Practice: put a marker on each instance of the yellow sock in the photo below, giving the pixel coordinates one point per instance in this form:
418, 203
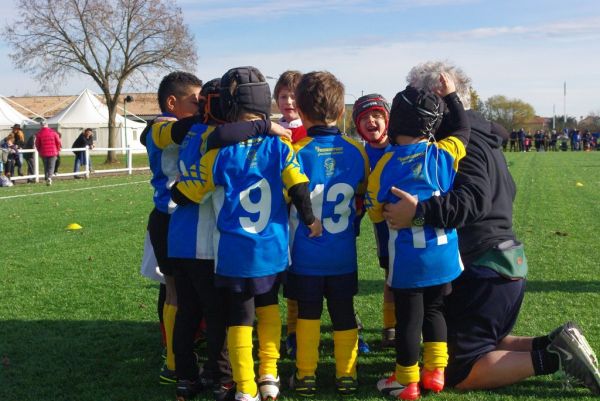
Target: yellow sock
308, 334
345, 351
407, 374
239, 343
169, 312
292, 316
389, 315
435, 355
269, 337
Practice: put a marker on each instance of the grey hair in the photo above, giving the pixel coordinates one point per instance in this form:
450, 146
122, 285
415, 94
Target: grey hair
427, 76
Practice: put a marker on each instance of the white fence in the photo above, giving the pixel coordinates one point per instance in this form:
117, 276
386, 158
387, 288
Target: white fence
84, 170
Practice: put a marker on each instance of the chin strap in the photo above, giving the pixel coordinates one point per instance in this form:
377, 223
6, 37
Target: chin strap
378, 141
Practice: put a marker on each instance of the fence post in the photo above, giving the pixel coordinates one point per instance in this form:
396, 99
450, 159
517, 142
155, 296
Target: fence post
87, 162
129, 161
36, 165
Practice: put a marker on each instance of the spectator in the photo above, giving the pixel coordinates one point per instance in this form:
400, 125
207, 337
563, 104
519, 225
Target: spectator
48, 144
84, 140
12, 155
553, 141
57, 164
521, 139
513, 141
485, 300
29, 157
20, 142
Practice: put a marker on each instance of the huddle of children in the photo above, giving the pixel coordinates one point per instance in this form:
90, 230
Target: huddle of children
241, 210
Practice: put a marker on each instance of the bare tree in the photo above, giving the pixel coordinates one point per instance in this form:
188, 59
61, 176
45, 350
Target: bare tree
112, 41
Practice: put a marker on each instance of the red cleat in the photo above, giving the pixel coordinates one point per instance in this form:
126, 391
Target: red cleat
410, 392
433, 379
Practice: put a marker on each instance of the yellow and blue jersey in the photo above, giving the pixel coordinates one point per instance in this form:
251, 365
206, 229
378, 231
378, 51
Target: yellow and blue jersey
162, 157
191, 226
246, 183
375, 154
419, 256
337, 168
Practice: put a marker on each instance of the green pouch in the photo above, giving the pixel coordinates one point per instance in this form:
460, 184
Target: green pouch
507, 259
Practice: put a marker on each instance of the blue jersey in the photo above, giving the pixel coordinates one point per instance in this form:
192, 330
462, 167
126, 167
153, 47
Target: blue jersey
337, 168
247, 182
375, 154
162, 156
381, 230
191, 226
419, 256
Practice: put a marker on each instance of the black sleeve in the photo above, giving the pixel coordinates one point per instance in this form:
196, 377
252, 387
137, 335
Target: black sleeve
499, 130
469, 200
145, 133
178, 197
182, 127
232, 133
300, 195
456, 122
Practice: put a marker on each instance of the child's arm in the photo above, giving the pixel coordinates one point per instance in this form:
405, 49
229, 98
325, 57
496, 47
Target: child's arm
232, 133
198, 182
296, 183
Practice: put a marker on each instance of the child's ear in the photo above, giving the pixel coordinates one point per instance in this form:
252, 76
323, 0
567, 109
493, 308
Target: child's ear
170, 103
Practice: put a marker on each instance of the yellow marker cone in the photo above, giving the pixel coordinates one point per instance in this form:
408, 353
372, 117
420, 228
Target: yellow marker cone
74, 226
579, 184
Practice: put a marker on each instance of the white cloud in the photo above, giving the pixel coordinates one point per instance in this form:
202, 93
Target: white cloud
531, 70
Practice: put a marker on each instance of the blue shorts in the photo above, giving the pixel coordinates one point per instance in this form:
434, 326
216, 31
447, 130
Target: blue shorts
481, 310
306, 288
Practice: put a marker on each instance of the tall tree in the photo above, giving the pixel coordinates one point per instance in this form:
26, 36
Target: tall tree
113, 41
507, 112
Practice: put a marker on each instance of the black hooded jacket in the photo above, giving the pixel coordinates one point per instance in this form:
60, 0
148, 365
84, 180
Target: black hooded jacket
480, 204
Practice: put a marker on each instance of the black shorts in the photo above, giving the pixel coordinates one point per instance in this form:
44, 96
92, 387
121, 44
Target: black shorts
158, 228
481, 310
314, 288
250, 285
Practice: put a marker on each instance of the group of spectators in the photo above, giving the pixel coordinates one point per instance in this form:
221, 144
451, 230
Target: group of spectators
551, 141
48, 143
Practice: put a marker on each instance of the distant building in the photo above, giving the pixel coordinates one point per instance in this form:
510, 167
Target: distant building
144, 105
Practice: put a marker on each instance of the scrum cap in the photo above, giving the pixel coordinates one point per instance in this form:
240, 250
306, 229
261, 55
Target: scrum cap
363, 105
415, 113
250, 92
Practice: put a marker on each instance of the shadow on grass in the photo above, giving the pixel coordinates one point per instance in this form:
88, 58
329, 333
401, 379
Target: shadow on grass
574, 286
112, 360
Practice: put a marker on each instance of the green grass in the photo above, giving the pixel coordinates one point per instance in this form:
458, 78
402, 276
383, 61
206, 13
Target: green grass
78, 322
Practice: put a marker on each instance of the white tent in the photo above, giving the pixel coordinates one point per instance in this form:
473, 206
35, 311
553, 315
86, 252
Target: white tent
9, 117
86, 111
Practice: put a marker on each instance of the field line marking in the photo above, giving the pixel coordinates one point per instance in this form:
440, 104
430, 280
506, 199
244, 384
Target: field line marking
73, 190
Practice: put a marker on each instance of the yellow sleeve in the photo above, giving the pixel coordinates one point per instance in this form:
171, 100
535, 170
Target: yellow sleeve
455, 147
161, 133
199, 182
205, 135
373, 206
292, 172
362, 186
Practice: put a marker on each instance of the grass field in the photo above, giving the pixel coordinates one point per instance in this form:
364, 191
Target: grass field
78, 322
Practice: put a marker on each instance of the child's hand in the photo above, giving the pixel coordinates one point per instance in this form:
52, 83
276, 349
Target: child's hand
316, 229
278, 130
447, 85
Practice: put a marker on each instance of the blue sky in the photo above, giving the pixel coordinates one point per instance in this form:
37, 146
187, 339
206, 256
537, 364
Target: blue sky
520, 49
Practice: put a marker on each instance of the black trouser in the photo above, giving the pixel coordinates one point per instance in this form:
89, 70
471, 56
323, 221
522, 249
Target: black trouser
341, 311
29, 165
197, 297
418, 310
